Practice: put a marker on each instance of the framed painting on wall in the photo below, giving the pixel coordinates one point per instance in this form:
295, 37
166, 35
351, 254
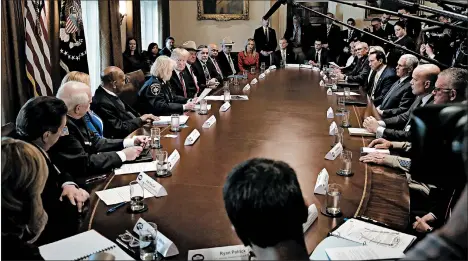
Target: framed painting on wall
388, 5
223, 10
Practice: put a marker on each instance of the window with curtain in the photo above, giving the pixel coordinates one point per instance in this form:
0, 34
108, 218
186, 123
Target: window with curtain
90, 13
149, 23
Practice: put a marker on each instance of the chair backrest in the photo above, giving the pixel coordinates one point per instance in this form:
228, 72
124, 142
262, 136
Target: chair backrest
8, 129
130, 92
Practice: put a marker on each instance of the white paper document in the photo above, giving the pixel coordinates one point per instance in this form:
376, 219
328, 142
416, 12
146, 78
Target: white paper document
360, 132
307, 66
215, 98
136, 168
239, 252
330, 114
372, 235
197, 107
165, 246
164, 120
367, 150
82, 246
118, 195
322, 183
350, 93
334, 152
363, 253
313, 214
292, 65
204, 93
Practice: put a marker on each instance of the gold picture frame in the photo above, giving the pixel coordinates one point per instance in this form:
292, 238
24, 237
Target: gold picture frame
223, 10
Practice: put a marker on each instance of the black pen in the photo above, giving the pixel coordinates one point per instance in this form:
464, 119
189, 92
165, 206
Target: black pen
125, 245
113, 209
96, 178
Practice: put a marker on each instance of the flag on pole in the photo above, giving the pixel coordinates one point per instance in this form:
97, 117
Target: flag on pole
38, 68
73, 55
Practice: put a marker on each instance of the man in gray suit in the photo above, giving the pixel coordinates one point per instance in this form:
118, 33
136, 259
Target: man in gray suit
400, 96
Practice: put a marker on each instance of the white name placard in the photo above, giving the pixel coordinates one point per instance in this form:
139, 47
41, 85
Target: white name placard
322, 183
291, 65
333, 129
190, 140
151, 185
334, 152
267, 71
239, 252
329, 92
313, 214
246, 88
322, 83
254, 81
208, 123
330, 114
225, 107
306, 66
165, 246
173, 158
261, 76
273, 67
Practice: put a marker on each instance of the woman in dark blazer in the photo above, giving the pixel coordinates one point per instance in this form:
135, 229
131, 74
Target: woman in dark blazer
402, 39
132, 59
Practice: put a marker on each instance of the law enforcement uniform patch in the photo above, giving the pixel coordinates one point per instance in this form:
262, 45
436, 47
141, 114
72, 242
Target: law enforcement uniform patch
155, 88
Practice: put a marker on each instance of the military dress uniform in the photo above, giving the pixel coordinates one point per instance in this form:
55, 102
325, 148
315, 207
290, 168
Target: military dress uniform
157, 97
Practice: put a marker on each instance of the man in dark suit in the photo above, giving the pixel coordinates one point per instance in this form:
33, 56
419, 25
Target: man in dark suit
413, 27
41, 122
118, 118
284, 53
361, 71
350, 35
182, 81
81, 153
387, 27
400, 96
331, 38
265, 42
299, 38
205, 71
381, 78
227, 61
397, 128
167, 50
377, 30
214, 52
318, 55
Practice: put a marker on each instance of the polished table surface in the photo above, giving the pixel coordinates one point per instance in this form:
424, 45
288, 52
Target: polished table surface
284, 119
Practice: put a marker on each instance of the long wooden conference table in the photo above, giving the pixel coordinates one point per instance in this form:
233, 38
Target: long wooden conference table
284, 119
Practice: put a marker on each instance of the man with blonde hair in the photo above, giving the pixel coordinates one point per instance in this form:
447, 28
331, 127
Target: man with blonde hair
80, 153
182, 82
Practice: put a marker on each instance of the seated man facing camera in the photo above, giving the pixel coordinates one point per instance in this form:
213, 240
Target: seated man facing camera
264, 202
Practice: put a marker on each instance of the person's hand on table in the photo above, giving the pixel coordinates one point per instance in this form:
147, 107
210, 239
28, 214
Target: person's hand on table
148, 118
341, 76
379, 111
213, 83
371, 124
141, 141
189, 106
381, 143
421, 225
377, 158
132, 153
76, 196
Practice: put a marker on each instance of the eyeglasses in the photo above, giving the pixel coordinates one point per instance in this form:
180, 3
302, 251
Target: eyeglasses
64, 131
127, 79
442, 89
358, 49
130, 239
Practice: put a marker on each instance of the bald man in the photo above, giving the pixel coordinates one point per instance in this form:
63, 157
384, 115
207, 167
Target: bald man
397, 128
119, 118
213, 53
80, 153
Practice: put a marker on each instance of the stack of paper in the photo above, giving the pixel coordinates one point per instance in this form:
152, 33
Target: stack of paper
363, 253
164, 120
118, 195
360, 132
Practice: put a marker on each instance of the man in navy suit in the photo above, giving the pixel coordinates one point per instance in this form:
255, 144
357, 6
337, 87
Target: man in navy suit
381, 78
399, 98
265, 42
318, 56
284, 53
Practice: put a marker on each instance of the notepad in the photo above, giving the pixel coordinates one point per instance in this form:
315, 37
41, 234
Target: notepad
118, 195
360, 132
163, 120
363, 253
82, 246
350, 93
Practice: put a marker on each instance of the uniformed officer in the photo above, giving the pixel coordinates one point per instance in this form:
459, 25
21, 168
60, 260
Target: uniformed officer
157, 97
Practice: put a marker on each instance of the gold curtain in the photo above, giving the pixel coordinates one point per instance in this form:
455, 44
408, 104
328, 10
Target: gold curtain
109, 26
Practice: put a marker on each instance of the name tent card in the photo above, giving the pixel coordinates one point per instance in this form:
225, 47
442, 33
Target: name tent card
267, 71
225, 107
151, 185
273, 67
329, 91
334, 152
313, 214
190, 140
165, 246
246, 88
322, 183
211, 120
322, 83
316, 69
306, 66
333, 129
261, 76
325, 78
173, 158
291, 65
330, 114
254, 81
239, 252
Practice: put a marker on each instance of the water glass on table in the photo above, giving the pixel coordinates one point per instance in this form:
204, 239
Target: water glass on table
345, 119
262, 67
149, 243
203, 107
226, 95
162, 165
347, 93
244, 74
175, 123
346, 159
136, 196
338, 137
333, 199
252, 70
155, 138
340, 101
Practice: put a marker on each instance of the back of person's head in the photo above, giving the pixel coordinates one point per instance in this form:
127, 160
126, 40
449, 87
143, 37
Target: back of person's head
429, 73
40, 115
261, 194
74, 93
24, 174
77, 77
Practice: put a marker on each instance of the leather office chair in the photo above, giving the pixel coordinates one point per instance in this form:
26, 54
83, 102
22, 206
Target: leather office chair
8, 129
130, 91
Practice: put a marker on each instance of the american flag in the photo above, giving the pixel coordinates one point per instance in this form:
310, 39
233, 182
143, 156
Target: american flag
38, 69
71, 27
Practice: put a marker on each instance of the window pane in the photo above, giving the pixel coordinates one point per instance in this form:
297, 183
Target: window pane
149, 23
90, 12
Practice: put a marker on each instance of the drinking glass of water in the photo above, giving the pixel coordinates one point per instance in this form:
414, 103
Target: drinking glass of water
203, 107
333, 199
346, 157
149, 243
282, 63
175, 123
155, 138
136, 196
338, 137
252, 69
347, 92
244, 74
262, 67
340, 101
226, 84
227, 95
345, 119
162, 166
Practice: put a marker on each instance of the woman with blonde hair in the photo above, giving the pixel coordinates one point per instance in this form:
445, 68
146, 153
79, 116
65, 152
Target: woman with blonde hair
24, 175
156, 96
249, 57
93, 121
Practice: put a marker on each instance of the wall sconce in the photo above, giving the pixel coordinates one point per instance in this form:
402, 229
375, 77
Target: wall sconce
122, 10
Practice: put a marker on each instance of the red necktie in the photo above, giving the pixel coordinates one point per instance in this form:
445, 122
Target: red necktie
193, 76
183, 84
